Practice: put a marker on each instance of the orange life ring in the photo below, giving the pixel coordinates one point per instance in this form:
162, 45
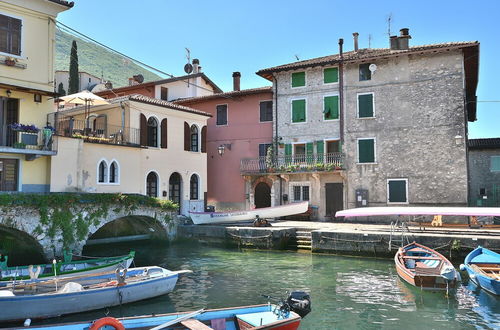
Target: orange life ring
107, 321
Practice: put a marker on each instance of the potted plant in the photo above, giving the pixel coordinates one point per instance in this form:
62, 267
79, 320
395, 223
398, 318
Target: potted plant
10, 61
19, 145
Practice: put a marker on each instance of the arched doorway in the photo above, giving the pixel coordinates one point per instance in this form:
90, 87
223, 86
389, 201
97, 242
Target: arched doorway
152, 185
174, 189
262, 195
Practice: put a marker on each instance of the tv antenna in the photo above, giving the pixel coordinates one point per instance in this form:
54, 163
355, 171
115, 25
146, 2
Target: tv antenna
369, 41
188, 68
389, 20
297, 57
188, 54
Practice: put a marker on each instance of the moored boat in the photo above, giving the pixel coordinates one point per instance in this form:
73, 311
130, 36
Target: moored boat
425, 268
200, 218
76, 294
64, 269
483, 267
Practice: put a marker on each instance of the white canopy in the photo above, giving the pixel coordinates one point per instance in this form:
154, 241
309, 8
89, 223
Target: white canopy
84, 97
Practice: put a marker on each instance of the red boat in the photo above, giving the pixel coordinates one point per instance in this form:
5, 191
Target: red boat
425, 268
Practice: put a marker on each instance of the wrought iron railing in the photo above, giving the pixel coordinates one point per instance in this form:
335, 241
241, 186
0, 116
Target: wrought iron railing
32, 140
294, 163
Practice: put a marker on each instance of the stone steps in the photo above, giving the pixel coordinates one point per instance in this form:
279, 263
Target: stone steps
304, 239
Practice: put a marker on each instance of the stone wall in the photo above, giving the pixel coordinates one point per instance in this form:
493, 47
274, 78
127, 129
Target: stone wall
481, 176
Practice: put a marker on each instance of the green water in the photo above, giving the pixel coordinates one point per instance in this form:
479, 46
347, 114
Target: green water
347, 292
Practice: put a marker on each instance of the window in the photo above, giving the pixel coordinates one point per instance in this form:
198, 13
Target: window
298, 111
330, 75
299, 192
102, 172
364, 72
266, 111
194, 138
263, 148
365, 105
366, 150
495, 164
332, 146
222, 114
152, 185
397, 191
298, 79
114, 173
331, 107
193, 190
152, 132
10, 35
164, 93
299, 149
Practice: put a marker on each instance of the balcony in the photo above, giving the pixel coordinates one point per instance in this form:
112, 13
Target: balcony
33, 143
96, 132
293, 163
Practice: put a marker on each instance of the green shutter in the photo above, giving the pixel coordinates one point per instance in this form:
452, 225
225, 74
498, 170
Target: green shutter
298, 79
288, 149
365, 103
366, 151
309, 152
298, 111
495, 163
397, 191
331, 107
320, 150
330, 75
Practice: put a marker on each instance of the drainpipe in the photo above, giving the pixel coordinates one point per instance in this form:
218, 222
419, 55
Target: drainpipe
276, 142
341, 92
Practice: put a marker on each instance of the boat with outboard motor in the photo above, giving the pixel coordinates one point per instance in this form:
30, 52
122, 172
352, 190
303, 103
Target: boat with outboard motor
483, 267
285, 314
201, 218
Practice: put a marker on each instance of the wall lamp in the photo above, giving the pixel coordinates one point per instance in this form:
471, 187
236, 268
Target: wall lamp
222, 148
8, 92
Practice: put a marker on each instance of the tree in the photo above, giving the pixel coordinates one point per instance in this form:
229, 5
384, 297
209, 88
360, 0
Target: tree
60, 89
73, 70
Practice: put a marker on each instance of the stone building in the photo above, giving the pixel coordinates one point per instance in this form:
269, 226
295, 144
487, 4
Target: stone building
484, 169
375, 127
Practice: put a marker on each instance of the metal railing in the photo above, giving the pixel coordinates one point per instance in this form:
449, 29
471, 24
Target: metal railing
41, 140
95, 132
294, 163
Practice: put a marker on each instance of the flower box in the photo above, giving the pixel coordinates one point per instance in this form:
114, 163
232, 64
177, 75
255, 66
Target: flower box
28, 138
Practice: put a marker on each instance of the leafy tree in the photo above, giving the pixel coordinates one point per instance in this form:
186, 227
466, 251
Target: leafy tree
60, 89
73, 70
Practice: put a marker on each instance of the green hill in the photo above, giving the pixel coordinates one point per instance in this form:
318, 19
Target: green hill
98, 61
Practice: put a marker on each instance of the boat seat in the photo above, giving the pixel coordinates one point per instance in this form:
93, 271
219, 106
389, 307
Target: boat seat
194, 324
423, 258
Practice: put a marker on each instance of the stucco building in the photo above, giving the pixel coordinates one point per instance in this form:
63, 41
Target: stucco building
484, 167
240, 128
86, 81
27, 30
375, 127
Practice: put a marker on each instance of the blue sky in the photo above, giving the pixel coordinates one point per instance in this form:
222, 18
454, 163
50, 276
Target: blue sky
247, 36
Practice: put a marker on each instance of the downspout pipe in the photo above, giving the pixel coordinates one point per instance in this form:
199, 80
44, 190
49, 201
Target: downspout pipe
341, 92
276, 136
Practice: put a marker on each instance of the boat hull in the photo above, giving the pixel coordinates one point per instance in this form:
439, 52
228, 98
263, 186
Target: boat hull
483, 257
50, 305
200, 218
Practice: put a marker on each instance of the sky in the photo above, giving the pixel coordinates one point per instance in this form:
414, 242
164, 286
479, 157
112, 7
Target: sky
246, 36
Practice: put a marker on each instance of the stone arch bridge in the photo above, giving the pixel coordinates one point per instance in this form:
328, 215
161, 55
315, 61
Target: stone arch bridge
72, 227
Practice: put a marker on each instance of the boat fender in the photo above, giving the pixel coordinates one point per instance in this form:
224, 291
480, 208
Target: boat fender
107, 321
462, 267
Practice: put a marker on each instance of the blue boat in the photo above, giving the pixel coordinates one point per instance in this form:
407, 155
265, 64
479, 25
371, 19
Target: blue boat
483, 266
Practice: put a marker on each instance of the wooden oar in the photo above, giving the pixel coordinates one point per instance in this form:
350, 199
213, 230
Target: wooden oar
179, 319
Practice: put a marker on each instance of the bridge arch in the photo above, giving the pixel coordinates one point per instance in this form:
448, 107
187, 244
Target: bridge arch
20, 247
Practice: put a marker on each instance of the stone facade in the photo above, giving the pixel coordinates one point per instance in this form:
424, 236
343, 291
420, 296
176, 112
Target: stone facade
484, 188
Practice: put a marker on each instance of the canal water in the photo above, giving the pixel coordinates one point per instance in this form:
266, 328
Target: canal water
347, 292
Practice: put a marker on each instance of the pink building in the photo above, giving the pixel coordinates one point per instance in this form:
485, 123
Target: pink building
241, 127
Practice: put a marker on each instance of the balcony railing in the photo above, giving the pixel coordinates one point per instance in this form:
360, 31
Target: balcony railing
294, 163
96, 132
28, 142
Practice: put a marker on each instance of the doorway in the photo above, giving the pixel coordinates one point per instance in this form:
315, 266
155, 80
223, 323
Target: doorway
8, 174
9, 114
334, 198
174, 189
262, 195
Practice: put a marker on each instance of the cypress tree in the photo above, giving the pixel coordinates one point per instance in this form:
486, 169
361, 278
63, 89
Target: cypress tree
60, 89
73, 70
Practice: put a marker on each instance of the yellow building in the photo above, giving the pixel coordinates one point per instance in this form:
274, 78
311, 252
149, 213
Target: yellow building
27, 45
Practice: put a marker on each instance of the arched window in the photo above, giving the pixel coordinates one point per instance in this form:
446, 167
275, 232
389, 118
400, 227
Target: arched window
152, 132
193, 187
194, 138
102, 175
114, 173
152, 185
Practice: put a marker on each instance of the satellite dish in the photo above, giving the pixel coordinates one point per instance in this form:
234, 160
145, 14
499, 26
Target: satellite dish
372, 67
139, 78
188, 68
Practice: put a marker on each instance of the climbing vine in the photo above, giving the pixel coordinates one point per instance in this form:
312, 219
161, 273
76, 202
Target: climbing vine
57, 211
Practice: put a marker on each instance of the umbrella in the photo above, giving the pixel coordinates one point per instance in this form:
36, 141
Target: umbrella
84, 97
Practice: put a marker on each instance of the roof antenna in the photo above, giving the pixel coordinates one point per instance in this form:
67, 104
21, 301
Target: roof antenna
297, 57
389, 20
369, 41
188, 54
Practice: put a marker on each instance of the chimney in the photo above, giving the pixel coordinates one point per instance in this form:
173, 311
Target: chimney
132, 82
394, 42
236, 81
403, 39
355, 36
196, 65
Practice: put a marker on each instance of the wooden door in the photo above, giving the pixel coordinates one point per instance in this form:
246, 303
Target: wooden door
262, 195
334, 198
8, 174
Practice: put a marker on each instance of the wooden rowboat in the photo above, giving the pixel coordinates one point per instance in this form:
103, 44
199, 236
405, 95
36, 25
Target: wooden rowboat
200, 218
483, 267
63, 269
425, 268
84, 293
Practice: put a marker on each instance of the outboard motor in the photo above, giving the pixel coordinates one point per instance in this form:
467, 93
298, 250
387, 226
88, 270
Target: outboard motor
299, 302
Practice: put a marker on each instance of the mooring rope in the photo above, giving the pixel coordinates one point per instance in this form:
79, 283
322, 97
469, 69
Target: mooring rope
252, 237
351, 241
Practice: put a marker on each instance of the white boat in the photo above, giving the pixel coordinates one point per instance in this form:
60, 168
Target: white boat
201, 218
84, 293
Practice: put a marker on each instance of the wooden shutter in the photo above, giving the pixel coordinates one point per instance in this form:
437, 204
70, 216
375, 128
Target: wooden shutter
298, 111
366, 151
298, 79
187, 144
320, 150
397, 191
365, 103
143, 131
164, 133
330, 75
204, 139
309, 151
331, 107
288, 149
